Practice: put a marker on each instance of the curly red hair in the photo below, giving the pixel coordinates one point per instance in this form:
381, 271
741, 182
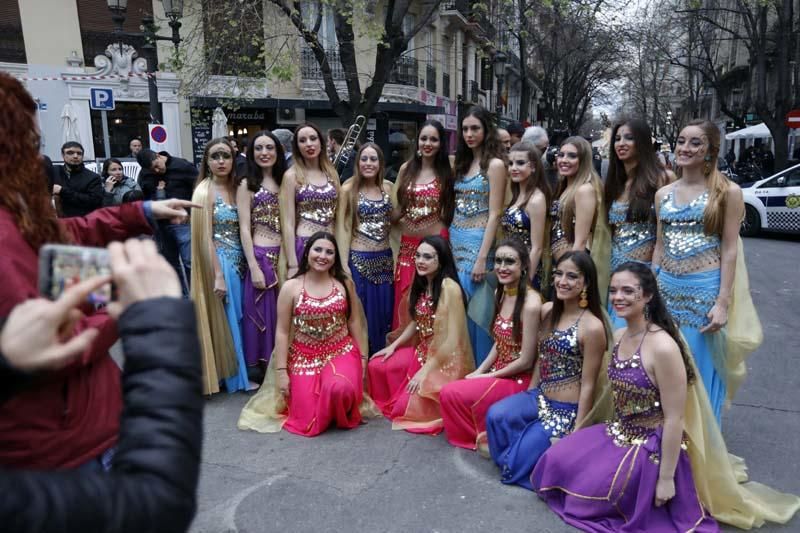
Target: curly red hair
23, 185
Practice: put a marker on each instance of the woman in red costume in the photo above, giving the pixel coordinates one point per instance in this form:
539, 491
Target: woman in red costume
430, 349
316, 374
66, 417
424, 201
506, 370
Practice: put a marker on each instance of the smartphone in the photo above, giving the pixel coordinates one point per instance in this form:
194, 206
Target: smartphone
62, 266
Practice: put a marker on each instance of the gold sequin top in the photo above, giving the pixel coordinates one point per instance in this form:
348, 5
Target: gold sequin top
637, 402
225, 227
472, 201
320, 332
316, 204
424, 318
560, 359
374, 220
686, 246
266, 215
508, 350
422, 210
558, 239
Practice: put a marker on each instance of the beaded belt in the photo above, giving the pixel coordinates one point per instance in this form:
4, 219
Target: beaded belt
556, 422
377, 269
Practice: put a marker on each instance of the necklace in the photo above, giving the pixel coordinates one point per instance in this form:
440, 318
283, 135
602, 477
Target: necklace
510, 291
632, 335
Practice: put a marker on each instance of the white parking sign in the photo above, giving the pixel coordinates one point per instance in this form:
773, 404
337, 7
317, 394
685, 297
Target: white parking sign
101, 99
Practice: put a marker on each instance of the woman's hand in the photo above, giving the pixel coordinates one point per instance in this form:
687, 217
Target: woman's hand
665, 491
386, 353
219, 286
479, 270
717, 318
415, 383
476, 374
257, 277
176, 211
282, 381
111, 181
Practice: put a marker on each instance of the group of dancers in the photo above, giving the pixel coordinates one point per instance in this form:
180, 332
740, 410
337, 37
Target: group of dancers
469, 298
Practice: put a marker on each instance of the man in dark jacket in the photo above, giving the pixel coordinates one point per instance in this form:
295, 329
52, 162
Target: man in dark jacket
78, 190
163, 174
152, 483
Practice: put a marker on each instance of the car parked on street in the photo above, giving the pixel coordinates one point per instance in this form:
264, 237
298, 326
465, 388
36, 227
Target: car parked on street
772, 203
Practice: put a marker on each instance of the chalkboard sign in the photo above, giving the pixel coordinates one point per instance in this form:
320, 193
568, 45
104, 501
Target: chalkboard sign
201, 134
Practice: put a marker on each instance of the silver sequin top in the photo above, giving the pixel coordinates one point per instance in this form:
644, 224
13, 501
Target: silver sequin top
686, 246
472, 200
630, 241
374, 220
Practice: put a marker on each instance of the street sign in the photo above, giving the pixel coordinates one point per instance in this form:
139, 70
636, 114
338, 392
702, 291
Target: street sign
793, 118
101, 99
158, 137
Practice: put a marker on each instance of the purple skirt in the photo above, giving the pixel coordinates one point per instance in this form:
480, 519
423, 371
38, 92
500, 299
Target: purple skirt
595, 485
260, 307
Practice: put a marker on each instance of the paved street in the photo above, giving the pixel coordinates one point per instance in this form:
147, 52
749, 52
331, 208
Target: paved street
375, 479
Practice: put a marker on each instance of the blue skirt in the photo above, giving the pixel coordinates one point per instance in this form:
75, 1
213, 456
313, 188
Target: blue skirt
689, 298
465, 244
372, 275
233, 311
518, 433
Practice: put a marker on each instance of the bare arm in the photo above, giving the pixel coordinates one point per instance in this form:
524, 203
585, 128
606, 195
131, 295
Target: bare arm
658, 251
288, 189
402, 339
483, 369
593, 342
397, 214
284, 307
585, 207
497, 191
535, 377
344, 225
537, 212
734, 211
244, 202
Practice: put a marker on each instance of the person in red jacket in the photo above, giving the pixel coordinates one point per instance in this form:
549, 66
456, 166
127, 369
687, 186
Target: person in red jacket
68, 417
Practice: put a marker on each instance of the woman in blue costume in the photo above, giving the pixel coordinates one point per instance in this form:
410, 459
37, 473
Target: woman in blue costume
525, 218
571, 348
634, 176
699, 258
362, 230
219, 270
480, 189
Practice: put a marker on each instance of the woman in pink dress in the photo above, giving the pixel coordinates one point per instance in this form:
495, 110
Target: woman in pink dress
430, 349
506, 370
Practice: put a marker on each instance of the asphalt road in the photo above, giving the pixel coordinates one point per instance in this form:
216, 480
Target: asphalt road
375, 479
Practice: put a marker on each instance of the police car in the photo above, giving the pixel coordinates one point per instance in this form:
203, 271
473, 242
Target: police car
773, 203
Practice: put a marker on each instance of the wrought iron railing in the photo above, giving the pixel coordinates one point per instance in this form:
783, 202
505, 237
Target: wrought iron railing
311, 69
404, 71
430, 78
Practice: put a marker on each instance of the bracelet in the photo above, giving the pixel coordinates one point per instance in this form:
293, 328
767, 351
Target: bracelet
364, 357
280, 368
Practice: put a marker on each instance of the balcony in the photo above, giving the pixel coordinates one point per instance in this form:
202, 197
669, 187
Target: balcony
404, 71
461, 7
430, 78
12, 45
446, 85
311, 70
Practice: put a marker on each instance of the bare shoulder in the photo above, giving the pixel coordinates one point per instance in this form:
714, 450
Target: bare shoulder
663, 191
619, 333
734, 192
586, 189
546, 308
289, 177
662, 345
537, 200
497, 165
347, 187
291, 287
387, 186
533, 302
592, 326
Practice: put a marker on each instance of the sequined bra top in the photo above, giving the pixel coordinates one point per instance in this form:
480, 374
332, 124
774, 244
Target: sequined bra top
266, 215
374, 220
686, 247
320, 331
630, 241
517, 224
560, 359
637, 403
508, 350
558, 239
226, 234
424, 318
422, 210
472, 201
316, 204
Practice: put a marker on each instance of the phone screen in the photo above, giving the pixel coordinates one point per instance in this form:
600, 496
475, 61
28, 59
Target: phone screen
62, 266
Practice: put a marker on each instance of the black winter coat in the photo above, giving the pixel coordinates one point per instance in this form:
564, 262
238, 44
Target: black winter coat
152, 484
81, 191
180, 178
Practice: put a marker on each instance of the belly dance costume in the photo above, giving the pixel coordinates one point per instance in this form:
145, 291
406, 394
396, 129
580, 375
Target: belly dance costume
228, 246
260, 305
690, 288
372, 271
630, 241
466, 401
324, 366
519, 428
558, 239
315, 205
603, 478
516, 224
466, 236
422, 212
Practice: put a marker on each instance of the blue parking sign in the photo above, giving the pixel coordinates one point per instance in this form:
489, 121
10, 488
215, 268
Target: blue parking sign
101, 99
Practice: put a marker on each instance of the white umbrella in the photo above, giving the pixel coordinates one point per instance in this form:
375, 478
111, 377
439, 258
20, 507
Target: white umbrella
69, 125
219, 124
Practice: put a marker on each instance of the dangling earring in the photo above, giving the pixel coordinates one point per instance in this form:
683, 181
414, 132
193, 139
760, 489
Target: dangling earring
419, 154
583, 303
647, 312
707, 165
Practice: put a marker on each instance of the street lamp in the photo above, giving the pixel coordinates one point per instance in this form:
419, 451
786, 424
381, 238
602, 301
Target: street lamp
499, 71
174, 11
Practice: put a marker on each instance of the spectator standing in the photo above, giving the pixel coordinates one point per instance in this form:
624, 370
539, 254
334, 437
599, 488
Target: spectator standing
335, 141
285, 137
537, 136
79, 191
516, 130
505, 140
135, 146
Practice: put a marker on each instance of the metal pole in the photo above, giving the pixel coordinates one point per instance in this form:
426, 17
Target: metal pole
106, 143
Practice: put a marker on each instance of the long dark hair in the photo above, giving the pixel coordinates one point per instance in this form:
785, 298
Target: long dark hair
522, 287
205, 169
649, 174
336, 271
657, 309
447, 269
352, 203
444, 173
254, 176
491, 145
107, 164
537, 179
585, 265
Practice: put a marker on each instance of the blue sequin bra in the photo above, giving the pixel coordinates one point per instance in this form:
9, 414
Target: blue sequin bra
472, 202
226, 234
630, 241
374, 220
686, 246
517, 224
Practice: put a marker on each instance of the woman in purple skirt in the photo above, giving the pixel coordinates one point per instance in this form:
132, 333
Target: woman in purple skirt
632, 473
260, 230
309, 193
